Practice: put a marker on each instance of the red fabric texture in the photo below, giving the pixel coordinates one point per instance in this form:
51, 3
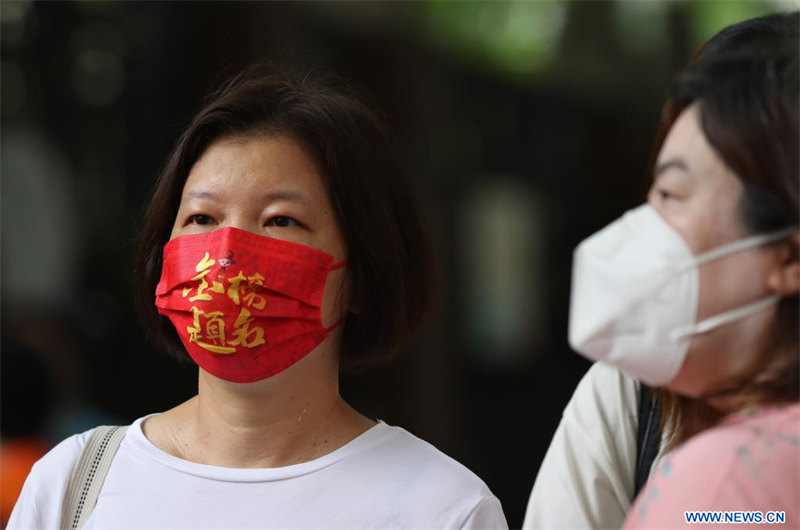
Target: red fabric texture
246, 306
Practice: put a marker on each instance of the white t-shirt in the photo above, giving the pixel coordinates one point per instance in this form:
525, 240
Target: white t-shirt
587, 477
385, 478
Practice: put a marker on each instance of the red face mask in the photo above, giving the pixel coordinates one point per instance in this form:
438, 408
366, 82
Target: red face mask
245, 306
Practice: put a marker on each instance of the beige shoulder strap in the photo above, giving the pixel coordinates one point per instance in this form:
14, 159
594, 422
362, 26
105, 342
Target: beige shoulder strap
89, 474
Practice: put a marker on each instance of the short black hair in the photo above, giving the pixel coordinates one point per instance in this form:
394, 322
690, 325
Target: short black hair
389, 264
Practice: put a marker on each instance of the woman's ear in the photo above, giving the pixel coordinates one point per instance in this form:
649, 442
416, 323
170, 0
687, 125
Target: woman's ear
346, 294
785, 279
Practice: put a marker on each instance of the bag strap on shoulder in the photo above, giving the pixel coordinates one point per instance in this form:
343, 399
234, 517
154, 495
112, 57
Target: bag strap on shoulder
648, 439
89, 474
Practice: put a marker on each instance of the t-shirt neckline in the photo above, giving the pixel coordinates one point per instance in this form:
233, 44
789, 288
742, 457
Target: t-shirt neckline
138, 442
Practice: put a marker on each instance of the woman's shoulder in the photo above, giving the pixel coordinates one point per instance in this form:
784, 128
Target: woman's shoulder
740, 464
754, 442
413, 457
39, 503
428, 480
604, 408
766, 432
587, 476
604, 386
61, 459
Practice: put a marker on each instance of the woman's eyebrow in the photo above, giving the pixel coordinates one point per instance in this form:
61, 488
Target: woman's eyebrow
672, 163
205, 195
286, 195
272, 196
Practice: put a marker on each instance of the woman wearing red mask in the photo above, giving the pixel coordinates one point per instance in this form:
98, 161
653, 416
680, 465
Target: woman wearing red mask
281, 242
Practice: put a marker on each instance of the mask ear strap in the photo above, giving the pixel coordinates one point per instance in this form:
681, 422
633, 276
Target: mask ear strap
743, 244
339, 265
724, 318
336, 325
333, 268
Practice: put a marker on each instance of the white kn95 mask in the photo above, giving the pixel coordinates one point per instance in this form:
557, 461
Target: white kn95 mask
635, 289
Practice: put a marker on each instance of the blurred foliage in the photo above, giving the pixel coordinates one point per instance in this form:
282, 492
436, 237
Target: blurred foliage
517, 37
520, 38
710, 16
641, 27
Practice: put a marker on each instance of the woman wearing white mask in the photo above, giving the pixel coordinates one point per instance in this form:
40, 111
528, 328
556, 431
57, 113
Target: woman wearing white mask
696, 291
641, 296
711, 309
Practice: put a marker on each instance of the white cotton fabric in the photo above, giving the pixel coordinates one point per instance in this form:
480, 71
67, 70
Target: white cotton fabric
587, 477
384, 478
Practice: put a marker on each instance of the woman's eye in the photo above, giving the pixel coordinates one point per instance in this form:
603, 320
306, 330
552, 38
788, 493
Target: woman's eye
664, 194
201, 219
282, 221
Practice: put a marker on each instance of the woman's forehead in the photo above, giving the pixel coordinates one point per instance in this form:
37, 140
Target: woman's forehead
268, 167
688, 149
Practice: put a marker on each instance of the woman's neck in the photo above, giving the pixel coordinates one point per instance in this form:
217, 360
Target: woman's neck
293, 417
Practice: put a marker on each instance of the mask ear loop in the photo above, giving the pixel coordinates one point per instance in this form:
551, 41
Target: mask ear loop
336, 325
727, 317
743, 244
341, 320
738, 313
339, 265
